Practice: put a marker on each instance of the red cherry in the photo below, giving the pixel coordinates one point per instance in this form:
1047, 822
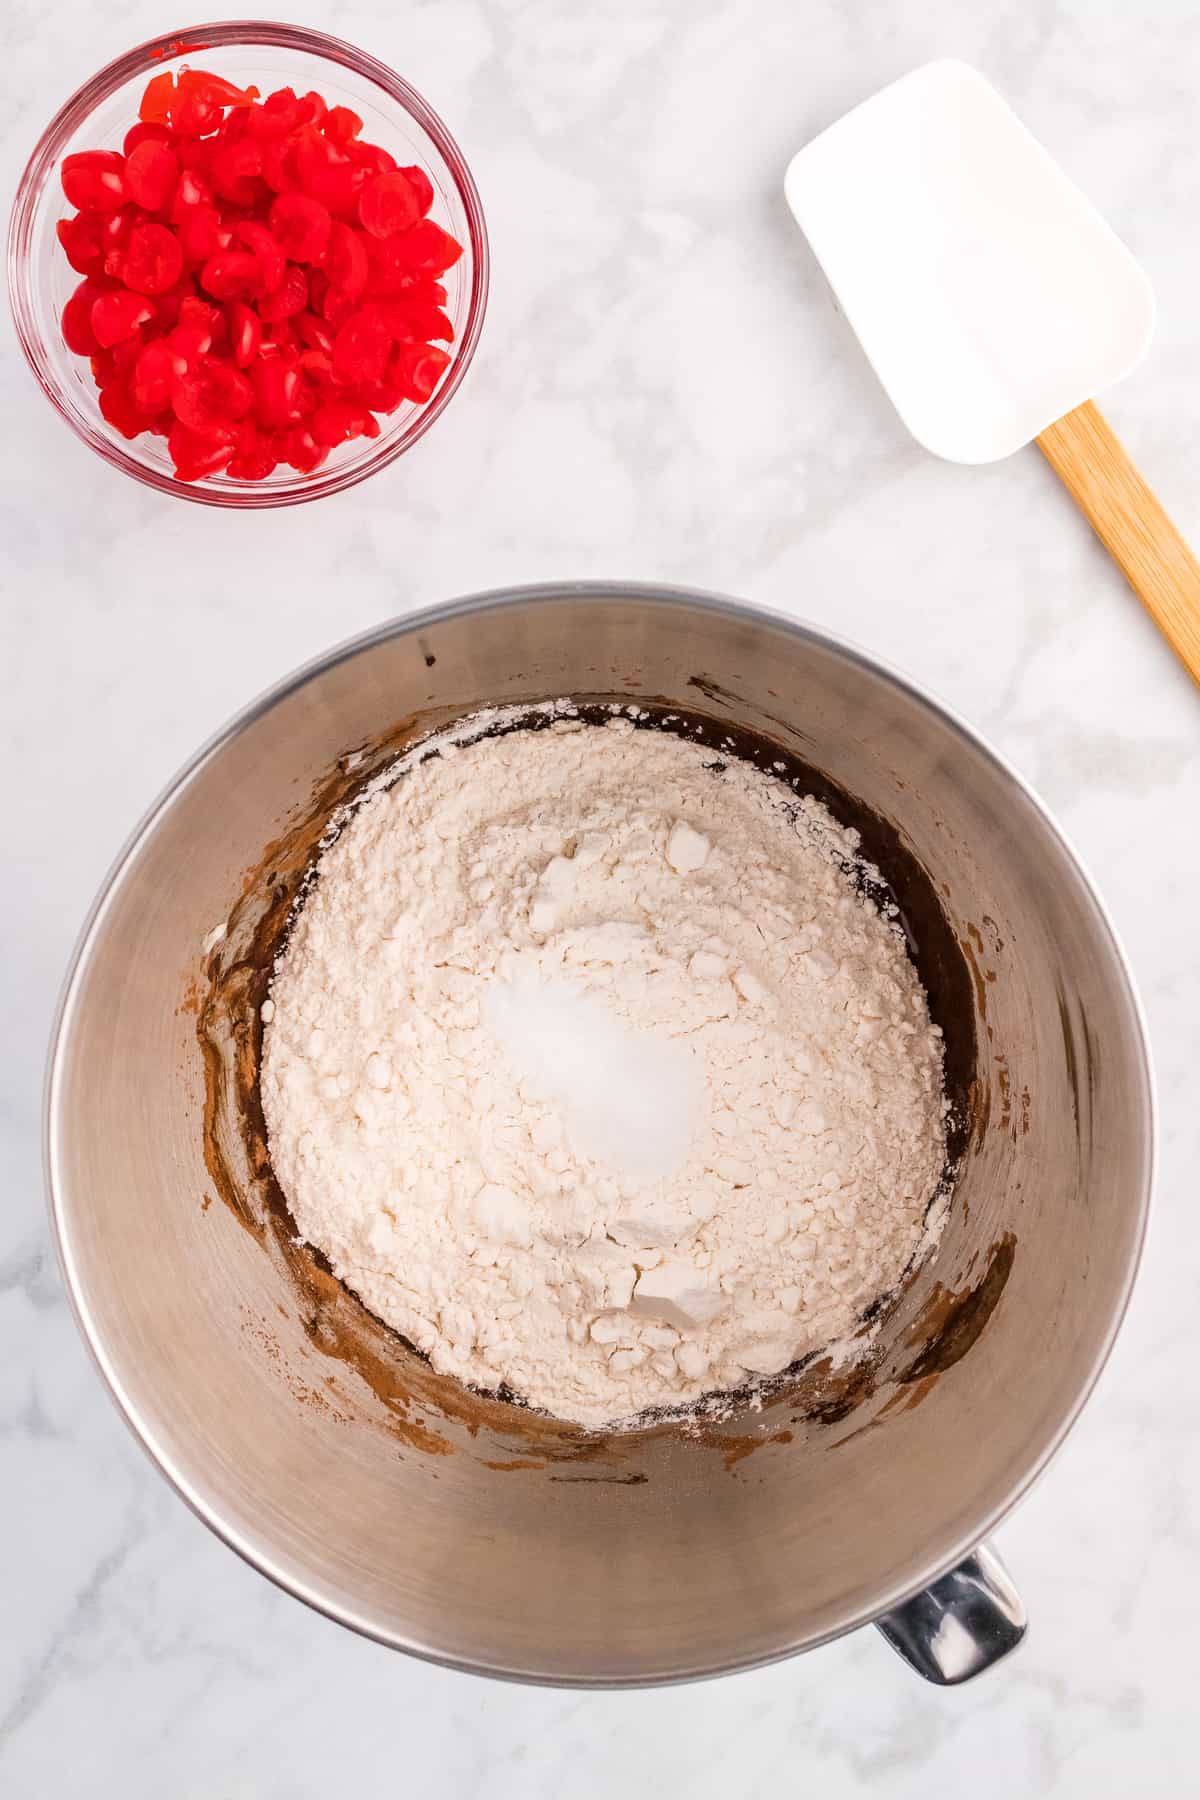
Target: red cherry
152, 260
230, 275
167, 305
195, 457
301, 225
276, 393
412, 318
196, 154
382, 396
326, 172
336, 421
303, 451
94, 180
421, 367
392, 270
314, 332
346, 262
201, 234
341, 124
372, 159
290, 297
118, 315
192, 115
279, 169
142, 133
200, 100
245, 333
77, 331
194, 190
282, 214
279, 347
360, 349
278, 115
235, 168
117, 406
257, 455
337, 306
210, 396
154, 375
208, 86
115, 228
151, 171
263, 244
81, 241
422, 187
125, 353
198, 313
387, 204
317, 365
231, 131
427, 249
156, 101
189, 344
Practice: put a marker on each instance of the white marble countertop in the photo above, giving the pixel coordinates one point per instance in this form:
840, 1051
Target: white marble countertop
663, 390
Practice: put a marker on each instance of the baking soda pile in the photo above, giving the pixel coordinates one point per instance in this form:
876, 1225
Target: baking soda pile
593, 1072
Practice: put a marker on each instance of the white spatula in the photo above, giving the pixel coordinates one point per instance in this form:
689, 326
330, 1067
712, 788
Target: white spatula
993, 302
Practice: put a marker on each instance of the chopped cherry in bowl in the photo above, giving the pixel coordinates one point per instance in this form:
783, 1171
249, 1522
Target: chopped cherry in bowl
259, 283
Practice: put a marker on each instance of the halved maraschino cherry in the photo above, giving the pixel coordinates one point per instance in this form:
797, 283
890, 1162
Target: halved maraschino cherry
346, 262
151, 172
360, 349
152, 261
339, 420
291, 296
257, 455
77, 319
119, 314
211, 396
422, 186
155, 373
301, 225
80, 238
388, 204
245, 333
118, 406
259, 282
278, 393
267, 250
196, 456
235, 169
230, 274
94, 180
421, 367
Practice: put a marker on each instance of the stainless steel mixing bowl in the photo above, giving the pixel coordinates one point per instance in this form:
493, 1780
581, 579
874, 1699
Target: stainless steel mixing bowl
475, 1533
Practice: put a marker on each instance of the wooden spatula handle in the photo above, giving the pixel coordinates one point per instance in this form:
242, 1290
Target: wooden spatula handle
1088, 457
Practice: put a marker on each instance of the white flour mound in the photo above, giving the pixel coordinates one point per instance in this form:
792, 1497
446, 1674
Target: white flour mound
591, 1070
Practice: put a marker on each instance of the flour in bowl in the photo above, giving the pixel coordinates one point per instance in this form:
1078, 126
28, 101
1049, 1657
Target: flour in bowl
593, 1070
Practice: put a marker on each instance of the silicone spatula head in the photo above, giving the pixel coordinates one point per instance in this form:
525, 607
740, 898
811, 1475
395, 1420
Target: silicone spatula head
988, 293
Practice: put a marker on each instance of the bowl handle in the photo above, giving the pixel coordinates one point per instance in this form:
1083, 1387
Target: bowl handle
961, 1624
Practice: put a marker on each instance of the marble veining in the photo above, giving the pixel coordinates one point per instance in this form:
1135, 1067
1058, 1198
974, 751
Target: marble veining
665, 390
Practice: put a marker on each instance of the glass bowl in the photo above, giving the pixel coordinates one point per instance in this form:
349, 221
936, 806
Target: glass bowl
271, 56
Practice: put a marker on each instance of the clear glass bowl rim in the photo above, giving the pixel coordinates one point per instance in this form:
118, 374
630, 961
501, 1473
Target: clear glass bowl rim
144, 60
